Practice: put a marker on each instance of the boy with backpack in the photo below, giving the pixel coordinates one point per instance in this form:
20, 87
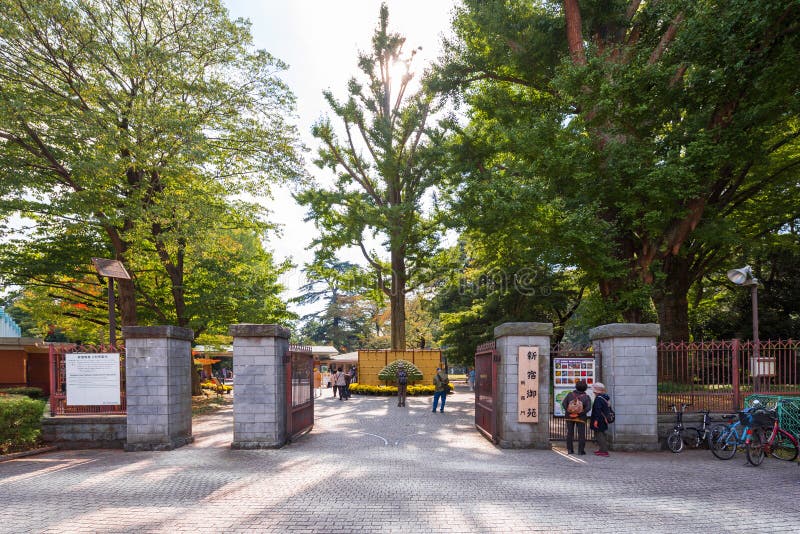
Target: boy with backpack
577, 405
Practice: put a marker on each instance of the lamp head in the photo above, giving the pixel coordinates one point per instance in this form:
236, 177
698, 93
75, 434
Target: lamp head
743, 276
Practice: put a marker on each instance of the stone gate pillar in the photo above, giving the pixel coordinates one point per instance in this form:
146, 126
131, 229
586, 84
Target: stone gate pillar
158, 387
630, 373
259, 374
509, 337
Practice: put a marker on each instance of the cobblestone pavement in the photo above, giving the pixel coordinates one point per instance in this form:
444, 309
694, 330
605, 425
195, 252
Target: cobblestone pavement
369, 466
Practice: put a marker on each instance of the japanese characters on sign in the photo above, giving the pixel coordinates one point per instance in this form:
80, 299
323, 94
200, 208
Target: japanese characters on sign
93, 379
528, 387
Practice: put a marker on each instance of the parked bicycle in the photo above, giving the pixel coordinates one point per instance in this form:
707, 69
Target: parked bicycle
734, 435
689, 435
767, 437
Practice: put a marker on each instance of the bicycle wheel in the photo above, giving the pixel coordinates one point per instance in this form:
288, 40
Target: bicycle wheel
713, 433
784, 447
725, 446
675, 441
692, 437
755, 449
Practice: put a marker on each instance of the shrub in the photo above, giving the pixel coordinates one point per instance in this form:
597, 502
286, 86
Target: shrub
389, 373
20, 423
34, 393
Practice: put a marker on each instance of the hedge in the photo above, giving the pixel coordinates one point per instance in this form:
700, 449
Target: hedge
34, 393
20, 422
363, 389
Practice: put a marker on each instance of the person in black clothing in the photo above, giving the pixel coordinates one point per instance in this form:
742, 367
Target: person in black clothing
576, 416
402, 384
599, 420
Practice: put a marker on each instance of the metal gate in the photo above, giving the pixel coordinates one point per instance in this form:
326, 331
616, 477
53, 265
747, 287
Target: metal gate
558, 424
486, 358
299, 391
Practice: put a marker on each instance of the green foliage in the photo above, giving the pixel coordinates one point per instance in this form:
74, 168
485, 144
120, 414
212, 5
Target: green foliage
389, 373
32, 392
20, 423
631, 149
127, 132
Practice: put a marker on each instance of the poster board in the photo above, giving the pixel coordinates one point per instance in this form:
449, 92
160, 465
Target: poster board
566, 372
93, 379
528, 384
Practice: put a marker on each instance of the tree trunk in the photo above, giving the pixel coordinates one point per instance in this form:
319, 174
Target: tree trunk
127, 302
671, 299
397, 299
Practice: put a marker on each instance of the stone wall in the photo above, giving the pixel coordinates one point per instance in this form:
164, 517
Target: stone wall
87, 432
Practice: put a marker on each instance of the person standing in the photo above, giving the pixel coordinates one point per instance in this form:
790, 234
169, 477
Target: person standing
577, 405
340, 380
402, 384
471, 379
601, 412
441, 387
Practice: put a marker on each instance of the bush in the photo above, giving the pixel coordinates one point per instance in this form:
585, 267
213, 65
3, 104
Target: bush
20, 423
218, 388
34, 393
389, 373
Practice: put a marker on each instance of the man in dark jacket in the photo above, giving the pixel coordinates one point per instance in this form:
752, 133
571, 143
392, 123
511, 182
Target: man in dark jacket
577, 405
600, 417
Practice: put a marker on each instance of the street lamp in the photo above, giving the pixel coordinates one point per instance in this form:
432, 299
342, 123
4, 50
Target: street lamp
111, 269
745, 277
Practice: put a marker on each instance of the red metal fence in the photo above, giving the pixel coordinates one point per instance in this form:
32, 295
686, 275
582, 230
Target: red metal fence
58, 380
718, 375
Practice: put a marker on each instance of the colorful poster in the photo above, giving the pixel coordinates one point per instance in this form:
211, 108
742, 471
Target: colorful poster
566, 373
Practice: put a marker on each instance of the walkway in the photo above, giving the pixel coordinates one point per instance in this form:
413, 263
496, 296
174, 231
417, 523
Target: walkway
369, 466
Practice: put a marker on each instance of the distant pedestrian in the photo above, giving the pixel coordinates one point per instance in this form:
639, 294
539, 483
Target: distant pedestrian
441, 387
347, 379
601, 416
340, 382
353, 375
577, 404
471, 379
402, 384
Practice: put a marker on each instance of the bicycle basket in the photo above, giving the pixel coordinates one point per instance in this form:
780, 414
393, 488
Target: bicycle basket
756, 418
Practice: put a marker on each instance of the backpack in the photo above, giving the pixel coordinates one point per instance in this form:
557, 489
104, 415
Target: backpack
575, 406
610, 416
402, 377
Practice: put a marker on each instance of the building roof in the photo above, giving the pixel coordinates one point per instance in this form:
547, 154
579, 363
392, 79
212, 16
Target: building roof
347, 357
324, 350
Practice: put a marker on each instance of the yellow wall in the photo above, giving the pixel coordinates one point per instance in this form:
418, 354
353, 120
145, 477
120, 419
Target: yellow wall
370, 363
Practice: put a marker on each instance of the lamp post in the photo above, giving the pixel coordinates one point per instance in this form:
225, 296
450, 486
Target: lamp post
745, 277
111, 269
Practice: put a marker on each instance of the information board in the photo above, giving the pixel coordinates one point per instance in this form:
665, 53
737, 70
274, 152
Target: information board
566, 373
92, 379
528, 389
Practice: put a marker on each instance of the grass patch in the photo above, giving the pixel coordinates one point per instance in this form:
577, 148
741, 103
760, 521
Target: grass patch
203, 404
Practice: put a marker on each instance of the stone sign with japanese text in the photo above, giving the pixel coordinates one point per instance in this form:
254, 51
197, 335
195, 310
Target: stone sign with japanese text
528, 385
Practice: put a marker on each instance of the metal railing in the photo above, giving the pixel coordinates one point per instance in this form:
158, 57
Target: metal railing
718, 375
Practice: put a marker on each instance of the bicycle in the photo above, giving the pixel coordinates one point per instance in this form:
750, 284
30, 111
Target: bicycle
734, 435
692, 436
779, 444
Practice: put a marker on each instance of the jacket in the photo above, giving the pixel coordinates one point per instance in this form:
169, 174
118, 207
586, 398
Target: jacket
600, 411
441, 382
585, 399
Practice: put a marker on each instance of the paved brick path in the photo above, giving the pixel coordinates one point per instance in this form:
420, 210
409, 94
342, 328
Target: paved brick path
369, 466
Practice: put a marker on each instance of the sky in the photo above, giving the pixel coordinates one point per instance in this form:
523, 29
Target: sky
320, 40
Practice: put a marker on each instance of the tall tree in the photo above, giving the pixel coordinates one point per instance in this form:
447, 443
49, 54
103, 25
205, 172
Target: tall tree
382, 172
138, 118
636, 122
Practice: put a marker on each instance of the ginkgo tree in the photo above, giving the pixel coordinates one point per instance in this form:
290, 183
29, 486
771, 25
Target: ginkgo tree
383, 170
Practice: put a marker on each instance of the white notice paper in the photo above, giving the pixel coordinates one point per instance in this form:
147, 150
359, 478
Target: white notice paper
92, 379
